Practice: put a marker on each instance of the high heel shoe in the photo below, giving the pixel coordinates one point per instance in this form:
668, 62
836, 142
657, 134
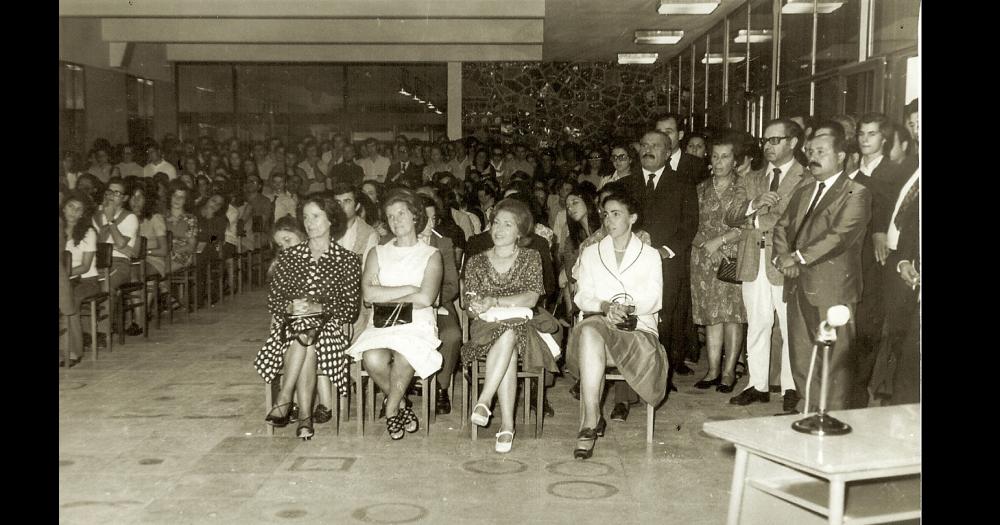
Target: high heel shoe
305, 430
394, 425
585, 442
705, 384
726, 388
410, 422
478, 419
278, 421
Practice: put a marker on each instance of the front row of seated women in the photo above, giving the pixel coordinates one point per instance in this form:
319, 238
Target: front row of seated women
317, 287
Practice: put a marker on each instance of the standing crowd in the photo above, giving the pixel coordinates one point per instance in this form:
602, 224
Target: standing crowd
639, 254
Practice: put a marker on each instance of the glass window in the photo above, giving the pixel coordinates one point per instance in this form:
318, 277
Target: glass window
796, 46
673, 80
205, 102
859, 92
684, 84
72, 125
837, 36
716, 65
307, 89
793, 100
761, 41
698, 111
739, 46
139, 103
894, 25
828, 97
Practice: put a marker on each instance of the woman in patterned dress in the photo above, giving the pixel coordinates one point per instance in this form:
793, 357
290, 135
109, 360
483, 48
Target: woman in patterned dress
404, 270
505, 276
314, 277
716, 304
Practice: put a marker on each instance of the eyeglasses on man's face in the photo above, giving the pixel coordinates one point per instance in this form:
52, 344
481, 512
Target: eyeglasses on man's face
620, 157
774, 141
114, 193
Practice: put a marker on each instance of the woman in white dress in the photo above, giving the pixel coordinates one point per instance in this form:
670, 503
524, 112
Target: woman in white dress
401, 271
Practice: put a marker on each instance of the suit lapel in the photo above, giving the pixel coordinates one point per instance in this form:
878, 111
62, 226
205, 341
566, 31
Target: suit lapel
831, 195
790, 180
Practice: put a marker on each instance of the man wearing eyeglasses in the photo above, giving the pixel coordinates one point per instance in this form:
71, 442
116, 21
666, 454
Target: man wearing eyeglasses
404, 170
157, 163
817, 246
120, 227
761, 198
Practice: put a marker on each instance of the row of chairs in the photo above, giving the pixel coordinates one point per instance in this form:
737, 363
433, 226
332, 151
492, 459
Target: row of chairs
242, 271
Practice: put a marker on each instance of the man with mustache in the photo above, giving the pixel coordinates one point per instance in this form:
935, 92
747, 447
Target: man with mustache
670, 216
817, 246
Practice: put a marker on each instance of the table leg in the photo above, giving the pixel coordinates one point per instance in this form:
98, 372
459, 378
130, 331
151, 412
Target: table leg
736, 490
836, 504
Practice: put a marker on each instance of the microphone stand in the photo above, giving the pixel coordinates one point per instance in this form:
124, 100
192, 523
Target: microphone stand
822, 424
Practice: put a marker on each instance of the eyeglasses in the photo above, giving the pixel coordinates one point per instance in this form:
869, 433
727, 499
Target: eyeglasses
595, 158
619, 157
774, 141
116, 193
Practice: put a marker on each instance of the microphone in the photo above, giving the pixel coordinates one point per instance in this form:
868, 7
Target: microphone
836, 316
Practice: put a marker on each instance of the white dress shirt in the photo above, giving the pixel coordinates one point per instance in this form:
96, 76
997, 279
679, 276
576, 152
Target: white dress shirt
163, 166
892, 236
675, 159
868, 169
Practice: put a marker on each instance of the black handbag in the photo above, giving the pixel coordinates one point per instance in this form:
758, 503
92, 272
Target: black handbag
727, 271
385, 315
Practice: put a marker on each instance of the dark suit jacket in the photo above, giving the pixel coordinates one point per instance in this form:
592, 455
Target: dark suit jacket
413, 176
830, 242
348, 172
669, 215
692, 168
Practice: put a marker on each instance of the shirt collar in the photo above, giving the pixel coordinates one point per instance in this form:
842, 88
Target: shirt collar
784, 167
646, 173
870, 168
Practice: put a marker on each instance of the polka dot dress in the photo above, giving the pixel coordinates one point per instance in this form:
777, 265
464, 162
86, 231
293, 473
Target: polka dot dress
333, 280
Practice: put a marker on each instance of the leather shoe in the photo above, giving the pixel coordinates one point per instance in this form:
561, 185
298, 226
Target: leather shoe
708, 383
727, 388
620, 413
683, 369
789, 401
750, 395
443, 403
774, 389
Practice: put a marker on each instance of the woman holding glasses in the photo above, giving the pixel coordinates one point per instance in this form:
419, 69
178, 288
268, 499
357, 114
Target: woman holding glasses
313, 293
619, 291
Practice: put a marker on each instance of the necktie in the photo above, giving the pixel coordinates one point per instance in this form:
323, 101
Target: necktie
911, 197
649, 183
805, 218
775, 180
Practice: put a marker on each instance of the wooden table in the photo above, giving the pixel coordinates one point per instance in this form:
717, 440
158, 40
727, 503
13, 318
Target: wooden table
871, 475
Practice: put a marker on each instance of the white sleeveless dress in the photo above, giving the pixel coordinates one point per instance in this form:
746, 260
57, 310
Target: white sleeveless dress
416, 341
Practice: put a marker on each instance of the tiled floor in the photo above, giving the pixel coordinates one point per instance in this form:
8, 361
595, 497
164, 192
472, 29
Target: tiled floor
171, 430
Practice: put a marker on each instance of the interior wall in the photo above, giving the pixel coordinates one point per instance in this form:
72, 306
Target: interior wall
104, 107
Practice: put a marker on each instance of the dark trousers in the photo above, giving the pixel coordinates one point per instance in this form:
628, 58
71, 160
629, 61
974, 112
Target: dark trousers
803, 321
870, 320
675, 314
450, 334
903, 334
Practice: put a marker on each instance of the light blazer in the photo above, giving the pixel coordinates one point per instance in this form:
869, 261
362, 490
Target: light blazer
640, 276
752, 186
830, 242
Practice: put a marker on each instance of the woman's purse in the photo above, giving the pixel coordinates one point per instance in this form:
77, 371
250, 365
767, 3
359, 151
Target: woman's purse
727, 271
385, 315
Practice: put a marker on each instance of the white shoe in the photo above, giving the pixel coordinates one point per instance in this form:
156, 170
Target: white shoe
478, 419
503, 447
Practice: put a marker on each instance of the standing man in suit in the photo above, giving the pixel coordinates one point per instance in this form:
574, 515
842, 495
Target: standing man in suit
761, 200
902, 292
817, 246
670, 216
694, 170
404, 171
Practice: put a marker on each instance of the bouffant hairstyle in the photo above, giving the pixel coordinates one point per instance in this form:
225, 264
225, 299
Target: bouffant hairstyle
413, 203
334, 213
522, 216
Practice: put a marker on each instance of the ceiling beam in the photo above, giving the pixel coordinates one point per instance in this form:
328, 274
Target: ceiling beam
304, 8
352, 53
384, 31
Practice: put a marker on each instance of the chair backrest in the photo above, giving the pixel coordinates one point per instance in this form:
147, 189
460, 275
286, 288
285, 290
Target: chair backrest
104, 251
67, 260
139, 254
257, 224
170, 251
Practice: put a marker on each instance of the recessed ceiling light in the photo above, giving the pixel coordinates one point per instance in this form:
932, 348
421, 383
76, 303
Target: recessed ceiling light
716, 58
658, 37
756, 36
672, 7
805, 7
637, 58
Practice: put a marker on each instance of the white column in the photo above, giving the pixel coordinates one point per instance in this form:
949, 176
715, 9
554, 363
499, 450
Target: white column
454, 100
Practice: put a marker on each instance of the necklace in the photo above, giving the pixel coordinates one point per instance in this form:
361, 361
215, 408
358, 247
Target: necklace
716, 185
498, 256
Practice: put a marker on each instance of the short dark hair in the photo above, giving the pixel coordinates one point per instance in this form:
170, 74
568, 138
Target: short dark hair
884, 127
334, 213
341, 187
522, 216
289, 223
911, 108
792, 128
676, 117
836, 131
117, 180
412, 201
734, 139
627, 200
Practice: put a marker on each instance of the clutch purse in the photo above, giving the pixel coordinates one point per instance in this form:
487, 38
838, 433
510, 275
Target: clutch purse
385, 315
727, 271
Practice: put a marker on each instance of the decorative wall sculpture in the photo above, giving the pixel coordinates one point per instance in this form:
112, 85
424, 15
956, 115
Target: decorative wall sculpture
542, 102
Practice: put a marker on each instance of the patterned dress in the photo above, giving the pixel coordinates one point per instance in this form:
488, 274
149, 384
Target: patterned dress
714, 301
333, 280
184, 228
524, 275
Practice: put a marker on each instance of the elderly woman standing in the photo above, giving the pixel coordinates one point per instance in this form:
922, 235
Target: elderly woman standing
716, 304
403, 275
506, 276
619, 291
315, 292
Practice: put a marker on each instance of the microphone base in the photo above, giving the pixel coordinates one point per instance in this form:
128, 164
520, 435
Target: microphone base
821, 424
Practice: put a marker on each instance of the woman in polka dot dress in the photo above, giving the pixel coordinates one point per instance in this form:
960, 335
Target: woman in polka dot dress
315, 291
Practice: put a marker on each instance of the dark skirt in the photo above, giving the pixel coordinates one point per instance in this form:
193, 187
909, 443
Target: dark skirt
331, 351
530, 347
638, 355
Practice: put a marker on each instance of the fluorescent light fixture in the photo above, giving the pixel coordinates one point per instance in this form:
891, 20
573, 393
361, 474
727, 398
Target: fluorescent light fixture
205, 89
404, 92
637, 58
756, 36
670, 7
415, 97
430, 105
716, 58
658, 37
805, 7
438, 111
